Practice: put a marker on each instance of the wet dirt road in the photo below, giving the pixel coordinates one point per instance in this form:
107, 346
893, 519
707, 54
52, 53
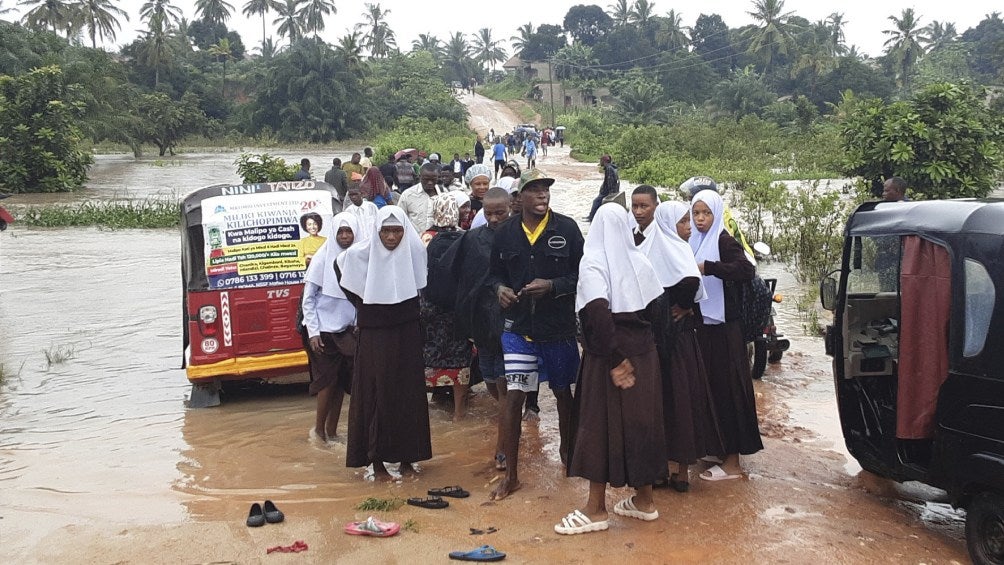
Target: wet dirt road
100, 461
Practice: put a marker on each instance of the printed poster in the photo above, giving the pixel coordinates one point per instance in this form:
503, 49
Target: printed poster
263, 239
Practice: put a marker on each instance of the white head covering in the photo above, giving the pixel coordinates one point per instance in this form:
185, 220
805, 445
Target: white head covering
381, 276
507, 184
705, 246
672, 257
477, 170
612, 267
321, 270
479, 219
461, 197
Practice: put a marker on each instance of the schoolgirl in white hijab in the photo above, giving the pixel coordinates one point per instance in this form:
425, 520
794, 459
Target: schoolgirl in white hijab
705, 246
671, 256
382, 276
321, 270
613, 267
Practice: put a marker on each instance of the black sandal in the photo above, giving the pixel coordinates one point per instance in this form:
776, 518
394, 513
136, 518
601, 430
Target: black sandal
432, 502
454, 491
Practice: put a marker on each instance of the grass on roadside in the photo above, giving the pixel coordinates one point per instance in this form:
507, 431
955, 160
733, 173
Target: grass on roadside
380, 504
6, 373
57, 354
149, 213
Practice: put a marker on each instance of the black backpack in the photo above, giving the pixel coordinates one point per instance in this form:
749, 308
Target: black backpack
441, 289
754, 307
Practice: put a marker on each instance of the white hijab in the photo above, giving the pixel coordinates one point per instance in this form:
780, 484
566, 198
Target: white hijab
479, 219
672, 257
379, 276
321, 270
612, 267
705, 246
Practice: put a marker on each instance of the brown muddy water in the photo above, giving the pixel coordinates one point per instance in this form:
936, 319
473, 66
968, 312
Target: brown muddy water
101, 462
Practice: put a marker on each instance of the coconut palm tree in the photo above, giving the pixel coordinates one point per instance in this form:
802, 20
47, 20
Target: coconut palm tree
487, 49
163, 9
377, 37
672, 34
215, 11
815, 58
350, 50
99, 18
222, 50
269, 49
620, 12
290, 21
520, 41
51, 15
157, 46
773, 33
836, 23
429, 43
938, 34
641, 12
259, 7
904, 44
457, 56
313, 12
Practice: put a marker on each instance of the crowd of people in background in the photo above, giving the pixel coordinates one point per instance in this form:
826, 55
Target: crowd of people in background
442, 275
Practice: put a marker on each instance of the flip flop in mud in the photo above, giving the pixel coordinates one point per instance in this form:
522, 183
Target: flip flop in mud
454, 492
578, 523
483, 553
627, 508
432, 502
716, 473
372, 527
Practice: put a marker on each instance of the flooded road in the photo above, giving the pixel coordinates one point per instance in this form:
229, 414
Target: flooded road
101, 462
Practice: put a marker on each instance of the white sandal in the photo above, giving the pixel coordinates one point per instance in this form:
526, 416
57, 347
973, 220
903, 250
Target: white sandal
578, 523
627, 508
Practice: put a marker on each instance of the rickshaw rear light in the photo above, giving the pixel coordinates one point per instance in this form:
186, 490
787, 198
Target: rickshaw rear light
207, 314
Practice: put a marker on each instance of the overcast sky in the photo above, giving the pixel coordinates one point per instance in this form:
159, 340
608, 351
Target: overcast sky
408, 18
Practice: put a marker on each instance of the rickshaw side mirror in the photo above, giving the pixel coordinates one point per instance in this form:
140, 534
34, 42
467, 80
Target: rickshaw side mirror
828, 292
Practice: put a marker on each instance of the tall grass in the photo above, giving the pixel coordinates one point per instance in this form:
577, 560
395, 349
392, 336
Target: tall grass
148, 213
58, 354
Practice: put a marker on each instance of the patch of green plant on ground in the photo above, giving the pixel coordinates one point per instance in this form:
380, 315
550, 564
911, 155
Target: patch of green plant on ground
57, 354
439, 136
410, 525
149, 213
380, 504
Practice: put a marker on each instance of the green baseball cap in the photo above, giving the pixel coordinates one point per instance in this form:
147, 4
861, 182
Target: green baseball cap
534, 175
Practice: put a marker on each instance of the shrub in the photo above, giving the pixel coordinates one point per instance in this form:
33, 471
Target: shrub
255, 168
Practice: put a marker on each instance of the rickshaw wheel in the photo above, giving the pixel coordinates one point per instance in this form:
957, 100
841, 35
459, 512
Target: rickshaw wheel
985, 529
3, 225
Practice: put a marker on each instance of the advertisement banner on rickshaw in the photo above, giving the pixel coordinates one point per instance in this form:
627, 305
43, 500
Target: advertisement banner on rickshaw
263, 239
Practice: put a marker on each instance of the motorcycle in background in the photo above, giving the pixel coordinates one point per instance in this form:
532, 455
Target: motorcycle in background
5, 217
768, 345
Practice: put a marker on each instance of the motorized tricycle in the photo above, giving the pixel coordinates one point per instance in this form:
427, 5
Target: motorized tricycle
244, 250
769, 345
5, 217
918, 352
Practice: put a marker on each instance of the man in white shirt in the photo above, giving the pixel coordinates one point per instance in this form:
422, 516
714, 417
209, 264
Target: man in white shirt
364, 211
416, 201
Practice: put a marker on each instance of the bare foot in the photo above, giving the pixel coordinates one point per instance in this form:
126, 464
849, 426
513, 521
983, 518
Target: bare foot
505, 488
381, 474
530, 416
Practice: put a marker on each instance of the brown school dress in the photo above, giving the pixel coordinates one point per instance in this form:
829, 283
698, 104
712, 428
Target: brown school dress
619, 436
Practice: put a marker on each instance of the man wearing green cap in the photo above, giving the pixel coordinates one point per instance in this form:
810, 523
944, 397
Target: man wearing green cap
534, 270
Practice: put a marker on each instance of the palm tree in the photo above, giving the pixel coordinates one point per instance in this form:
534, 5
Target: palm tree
836, 23
268, 49
904, 45
641, 12
815, 57
520, 41
487, 49
157, 46
938, 35
672, 35
350, 51
457, 55
429, 43
52, 15
163, 9
222, 49
620, 12
774, 32
99, 17
215, 11
378, 37
289, 20
313, 12
259, 7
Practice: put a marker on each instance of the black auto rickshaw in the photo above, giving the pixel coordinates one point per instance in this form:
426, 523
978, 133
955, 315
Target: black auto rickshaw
918, 352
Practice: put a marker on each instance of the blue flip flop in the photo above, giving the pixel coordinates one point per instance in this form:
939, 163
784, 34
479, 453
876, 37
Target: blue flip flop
483, 553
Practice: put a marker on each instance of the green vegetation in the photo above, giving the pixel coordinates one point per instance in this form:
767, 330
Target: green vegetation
264, 168
58, 354
410, 525
444, 136
380, 504
149, 213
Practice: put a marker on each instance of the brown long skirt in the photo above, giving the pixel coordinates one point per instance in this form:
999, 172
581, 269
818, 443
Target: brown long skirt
688, 411
619, 436
334, 365
725, 359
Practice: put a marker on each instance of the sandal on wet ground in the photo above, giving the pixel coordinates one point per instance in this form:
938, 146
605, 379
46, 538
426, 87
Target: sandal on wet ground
272, 514
627, 508
677, 484
372, 527
454, 491
578, 523
483, 553
432, 502
256, 517
716, 473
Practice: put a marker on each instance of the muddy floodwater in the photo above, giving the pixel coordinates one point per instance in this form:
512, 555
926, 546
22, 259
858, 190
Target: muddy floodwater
101, 462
